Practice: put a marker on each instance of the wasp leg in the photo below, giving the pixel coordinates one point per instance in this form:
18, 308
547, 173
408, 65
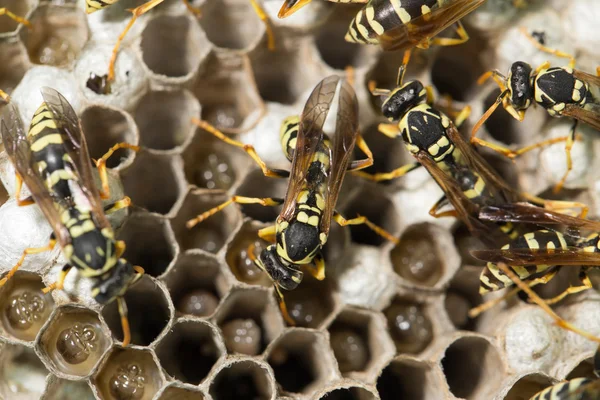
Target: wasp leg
268, 233
119, 248
5, 96
284, 311
558, 205
136, 13
101, 165
463, 36
360, 220
540, 302
318, 270
262, 14
58, 285
267, 202
462, 116
29, 250
548, 50
275, 173
568, 146
21, 202
386, 176
474, 312
365, 162
375, 91
16, 18
196, 11
587, 284
117, 205
433, 211
389, 130
122, 306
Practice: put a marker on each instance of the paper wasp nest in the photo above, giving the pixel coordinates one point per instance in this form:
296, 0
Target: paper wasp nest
388, 322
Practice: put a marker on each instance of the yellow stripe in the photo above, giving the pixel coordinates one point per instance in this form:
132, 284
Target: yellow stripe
376, 26
36, 129
79, 230
400, 11
44, 141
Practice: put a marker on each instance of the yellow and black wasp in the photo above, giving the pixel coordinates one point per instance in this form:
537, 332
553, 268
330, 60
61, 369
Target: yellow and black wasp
562, 91
52, 160
319, 164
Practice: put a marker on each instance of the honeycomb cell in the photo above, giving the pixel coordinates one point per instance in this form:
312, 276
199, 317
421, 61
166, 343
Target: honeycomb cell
238, 260
13, 61
409, 378
129, 374
74, 341
232, 24
302, 361
164, 119
18, 7
196, 284
409, 325
526, 385
257, 185
150, 242
311, 303
62, 389
190, 350
465, 243
229, 97
181, 392
473, 367
149, 312
248, 321
24, 307
352, 393
57, 35
209, 235
462, 295
22, 374
155, 182
104, 127
243, 379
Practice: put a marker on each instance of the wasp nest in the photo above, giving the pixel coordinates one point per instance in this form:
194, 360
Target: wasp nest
389, 321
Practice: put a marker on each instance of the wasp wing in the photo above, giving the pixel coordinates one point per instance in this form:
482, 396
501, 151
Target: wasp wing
310, 136
426, 26
19, 151
590, 114
342, 144
76, 146
568, 256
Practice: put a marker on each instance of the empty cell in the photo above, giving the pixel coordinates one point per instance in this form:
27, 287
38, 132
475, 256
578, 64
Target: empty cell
57, 35
189, 351
20, 8
62, 389
13, 61
231, 24
238, 257
22, 373
462, 296
409, 325
129, 374
148, 315
410, 379
164, 119
351, 393
247, 379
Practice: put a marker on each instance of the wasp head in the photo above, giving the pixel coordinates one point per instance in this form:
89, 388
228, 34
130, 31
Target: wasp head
520, 85
282, 274
115, 282
402, 99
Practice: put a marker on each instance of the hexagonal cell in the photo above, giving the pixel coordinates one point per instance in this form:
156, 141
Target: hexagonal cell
462, 296
229, 97
22, 374
334, 50
349, 393
244, 379
74, 341
150, 242
256, 184
284, 75
528, 385
231, 24
409, 325
465, 242
57, 35
196, 284
149, 312
209, 235
190, 350
302, 361
173, 47
13, 60
473, 367
181, 392
155, 181
248, 320
311, 303
359, 343
164, 119
371, 202
409, 378
241, 266
129, 374
62, 389
105, 127
24, 307
426, 256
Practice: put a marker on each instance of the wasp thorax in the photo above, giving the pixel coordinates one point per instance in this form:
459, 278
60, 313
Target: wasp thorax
403, 99
519, 84
25, 309
128, 383
283, 275
75, 344
300, 241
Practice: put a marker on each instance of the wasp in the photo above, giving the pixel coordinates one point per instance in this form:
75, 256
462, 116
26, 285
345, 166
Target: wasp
561, 91
52, 160
319, 164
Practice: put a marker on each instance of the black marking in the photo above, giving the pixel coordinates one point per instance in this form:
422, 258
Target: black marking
557, 86
521, 90
301, 240
280, 273
403, 99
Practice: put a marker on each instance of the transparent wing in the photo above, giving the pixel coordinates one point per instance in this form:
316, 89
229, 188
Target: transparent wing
590, 114
76, 146
19, 151
569, 256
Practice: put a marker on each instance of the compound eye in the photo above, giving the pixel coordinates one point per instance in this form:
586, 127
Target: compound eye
292, 279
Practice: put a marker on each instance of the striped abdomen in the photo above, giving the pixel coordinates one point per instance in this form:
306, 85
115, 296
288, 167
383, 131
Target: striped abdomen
379, 16
573, 389
492, 278
54, 164
95, 5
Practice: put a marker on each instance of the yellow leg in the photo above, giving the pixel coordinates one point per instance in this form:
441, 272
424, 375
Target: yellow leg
548, 50
122, 306
587, 284
365, 162
16, 18
462, 116
265, 19
101, 165
268, 233
27, 251
120, 248
284, 311
267, 202
318, 270
196, 11
360, 220
58, 285
463, 36
117, 205
558, 205
136, 13
5, 96
375, 91
540, 302
568, 146
474, 312
18, 185
350, 75
386, 176
389, 130
276, 173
